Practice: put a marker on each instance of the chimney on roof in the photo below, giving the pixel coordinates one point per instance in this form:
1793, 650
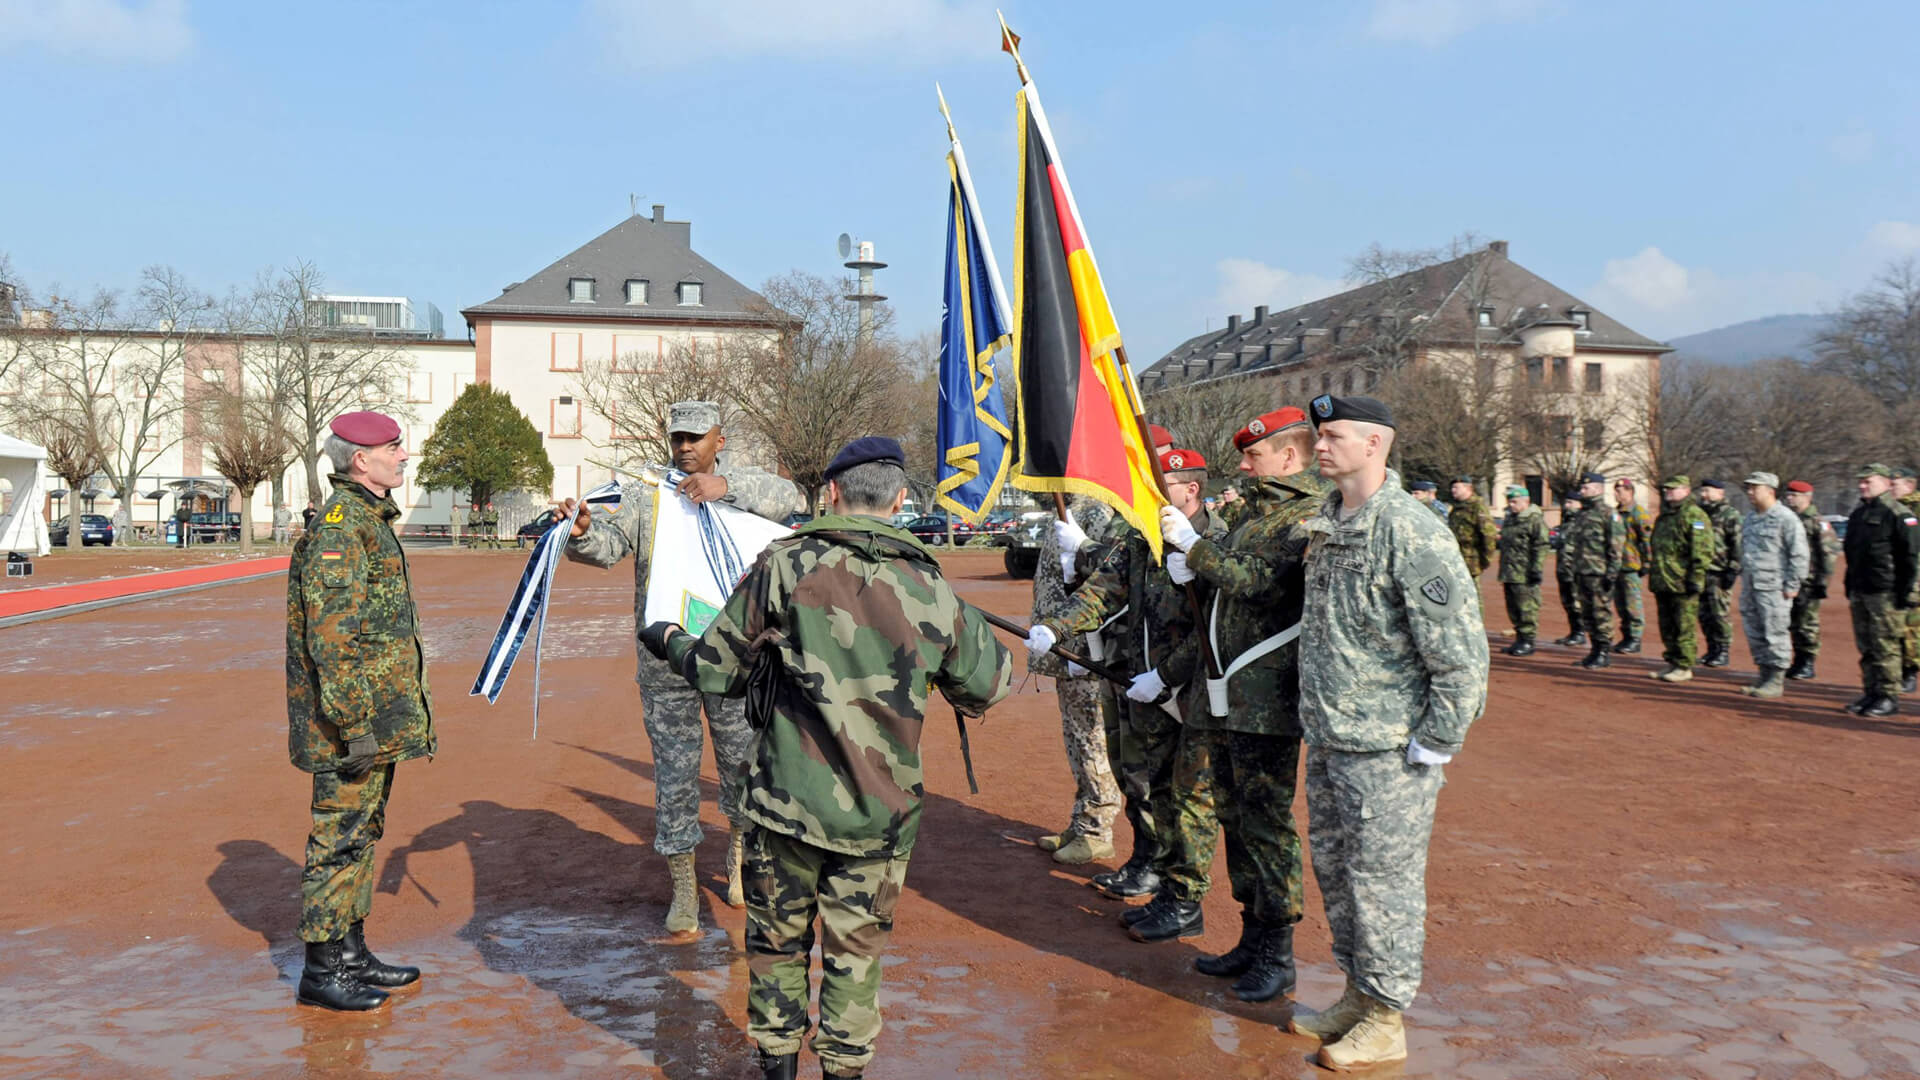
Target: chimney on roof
1233, 325
1259, 314
659, 213
1498, 247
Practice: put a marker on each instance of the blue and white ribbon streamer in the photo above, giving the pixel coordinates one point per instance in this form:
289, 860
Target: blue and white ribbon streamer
528, 608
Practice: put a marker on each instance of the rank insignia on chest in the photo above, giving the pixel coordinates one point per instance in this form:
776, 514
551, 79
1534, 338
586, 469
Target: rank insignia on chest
332, 556
1436, 591
336, 515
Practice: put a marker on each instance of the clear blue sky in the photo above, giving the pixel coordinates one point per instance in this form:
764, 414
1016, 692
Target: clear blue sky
1682, 166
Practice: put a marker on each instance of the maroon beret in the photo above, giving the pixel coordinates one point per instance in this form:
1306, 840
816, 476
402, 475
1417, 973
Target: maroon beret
1161, 436
1266, 424
1800, 486
366, 428
1177, 460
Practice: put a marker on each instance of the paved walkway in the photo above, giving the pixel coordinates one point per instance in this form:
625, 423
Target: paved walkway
54, 601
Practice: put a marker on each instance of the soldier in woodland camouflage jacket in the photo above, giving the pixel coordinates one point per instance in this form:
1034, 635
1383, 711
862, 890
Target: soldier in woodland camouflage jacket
357, 703
1683, 548
1822, 548
1716, 603
1523, 565
1593, 544
1634, 554
1393, 671
1472, 526
837, 638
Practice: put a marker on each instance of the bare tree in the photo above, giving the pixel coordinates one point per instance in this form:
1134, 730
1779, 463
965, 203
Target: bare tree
1563, 428
1688, 424
631, 394
64, 394
1874, 341
1450, 421
248, 429
150, 399
1204, 416
1801, 423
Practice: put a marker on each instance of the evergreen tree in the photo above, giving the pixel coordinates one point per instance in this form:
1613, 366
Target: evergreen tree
483, 445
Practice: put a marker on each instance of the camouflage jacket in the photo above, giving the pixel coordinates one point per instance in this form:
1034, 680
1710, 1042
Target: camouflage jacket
1523, 547
1726, 531
1638, 548
1158, 615
1882, 542
1683, 546
1591, 544
354, 662
1773, 548
629, 531
1472, 525
837, 637
1822, 546
1050, 590
1250, 589
1392, 646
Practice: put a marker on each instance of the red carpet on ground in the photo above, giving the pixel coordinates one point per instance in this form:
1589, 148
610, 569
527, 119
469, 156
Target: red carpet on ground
28, 601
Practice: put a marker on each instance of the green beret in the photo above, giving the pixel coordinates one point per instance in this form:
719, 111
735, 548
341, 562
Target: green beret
1874, 469
1677, 480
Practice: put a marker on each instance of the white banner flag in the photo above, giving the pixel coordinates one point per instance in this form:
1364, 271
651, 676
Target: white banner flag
700, 551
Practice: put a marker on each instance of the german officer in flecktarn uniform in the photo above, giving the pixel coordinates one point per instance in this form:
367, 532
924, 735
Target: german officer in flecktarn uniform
1393, 668
356, 703
836, 638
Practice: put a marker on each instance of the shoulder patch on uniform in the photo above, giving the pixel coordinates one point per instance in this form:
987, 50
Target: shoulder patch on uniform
336, 515
330, 555
1699, 524
1436, 590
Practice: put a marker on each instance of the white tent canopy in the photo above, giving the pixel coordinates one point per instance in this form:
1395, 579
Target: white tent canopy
23, 527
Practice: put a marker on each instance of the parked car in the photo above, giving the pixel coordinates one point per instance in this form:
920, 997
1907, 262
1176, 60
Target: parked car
535, 529
215, 526
931, 529
94, 529
999, 523
1022, 558
903, 519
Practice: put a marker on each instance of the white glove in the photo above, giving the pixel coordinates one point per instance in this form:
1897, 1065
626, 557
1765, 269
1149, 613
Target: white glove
1068, 534
1040, 638
1067, 563
1177, 568
1146, 687
1175, 529
1075, 671
1420, 755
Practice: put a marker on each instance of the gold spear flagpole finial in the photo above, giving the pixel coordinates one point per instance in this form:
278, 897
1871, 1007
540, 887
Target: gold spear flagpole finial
951, 135
1010, 43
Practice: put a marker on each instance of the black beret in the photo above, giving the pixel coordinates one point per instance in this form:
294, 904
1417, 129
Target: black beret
1422, 485
865, 450
1593, 478
1368, 410
1463, 480
1717, 485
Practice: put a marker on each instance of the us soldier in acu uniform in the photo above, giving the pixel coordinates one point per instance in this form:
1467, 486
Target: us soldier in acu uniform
1393, 668
671, 709
1773, 550
1570, 506
1716, 603
1634, 554
356, 704
1523, 565
1804, 625
1683, 548
1882, 542
1592, 546
1145, 741
1472, 525
837, 638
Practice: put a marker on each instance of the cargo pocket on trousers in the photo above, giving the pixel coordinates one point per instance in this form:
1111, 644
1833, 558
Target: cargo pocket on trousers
886, 895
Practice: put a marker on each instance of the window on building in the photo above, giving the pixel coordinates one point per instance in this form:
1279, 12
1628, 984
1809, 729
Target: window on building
1346, 383
1326, 383
1560, 432
1485, 317
1536, 486
1593, 434
566, 352
636, 353
1592, 384
1373, 379
580, 290
1562, 376
636, 290
563, 419
1580, 320
1536, 371
420, 386
689, 294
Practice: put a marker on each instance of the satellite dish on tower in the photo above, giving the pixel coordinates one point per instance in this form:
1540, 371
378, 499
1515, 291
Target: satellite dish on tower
846, 245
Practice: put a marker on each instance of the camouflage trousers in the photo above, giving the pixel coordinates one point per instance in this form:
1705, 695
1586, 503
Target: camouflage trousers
1677, 613
349, 817
1083, 727
1141, 743
1253, 781
1764, 614
1910, 645
1570, 603
672, 711
789, 883
1187, 871
1803, 624
1596, 604
1626, 604
1716, 614
1878, 629
1523, 608
1369, 817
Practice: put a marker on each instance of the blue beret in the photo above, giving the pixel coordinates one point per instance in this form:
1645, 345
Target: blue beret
866, 450
1422, 485
1715, 484
1593, 478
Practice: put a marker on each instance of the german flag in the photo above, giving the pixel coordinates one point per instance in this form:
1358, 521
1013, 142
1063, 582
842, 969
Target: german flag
1077, 403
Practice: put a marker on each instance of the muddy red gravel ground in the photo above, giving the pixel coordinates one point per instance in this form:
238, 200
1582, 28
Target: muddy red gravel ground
1628, 879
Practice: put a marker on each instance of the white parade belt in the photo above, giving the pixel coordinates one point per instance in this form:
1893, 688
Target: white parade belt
1217, 688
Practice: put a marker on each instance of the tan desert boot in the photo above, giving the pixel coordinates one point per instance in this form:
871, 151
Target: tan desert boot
1331, 1024
1377, 1039
1054, 841
736, 849
1084, 850
1675, 674
683, 916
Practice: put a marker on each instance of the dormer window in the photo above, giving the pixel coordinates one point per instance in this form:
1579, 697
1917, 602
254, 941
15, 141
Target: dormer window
1580, 316
636, 290
580, 290
689, 294
1485, 317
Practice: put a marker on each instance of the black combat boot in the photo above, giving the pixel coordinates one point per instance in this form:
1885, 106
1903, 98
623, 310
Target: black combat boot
1857, 705
1106, 878
1802, 667
1175, 919
1908, 678
1881, 705
1716, 657
1596, 657
1272, 970
326, 982
360, 961
1627, 645
783, 1067
1522, 646
1145, 911
1143, 880
1575, 638
1237, 960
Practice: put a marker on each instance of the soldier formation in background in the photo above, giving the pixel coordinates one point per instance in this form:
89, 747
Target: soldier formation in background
1524, 544
1636, 551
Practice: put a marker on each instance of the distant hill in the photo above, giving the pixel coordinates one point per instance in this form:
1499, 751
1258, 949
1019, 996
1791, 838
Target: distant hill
1756, 339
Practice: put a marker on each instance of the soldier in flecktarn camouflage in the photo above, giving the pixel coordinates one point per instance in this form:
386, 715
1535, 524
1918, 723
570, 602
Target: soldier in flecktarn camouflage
836, 639
1773, 562
1472, 526
1593, 545
1393, 668
1803, 625
1144, 743
1682, 550
1570, 506
1523, 564
1634, 554
1246, 707
1716, 603
670, 707
356, 704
